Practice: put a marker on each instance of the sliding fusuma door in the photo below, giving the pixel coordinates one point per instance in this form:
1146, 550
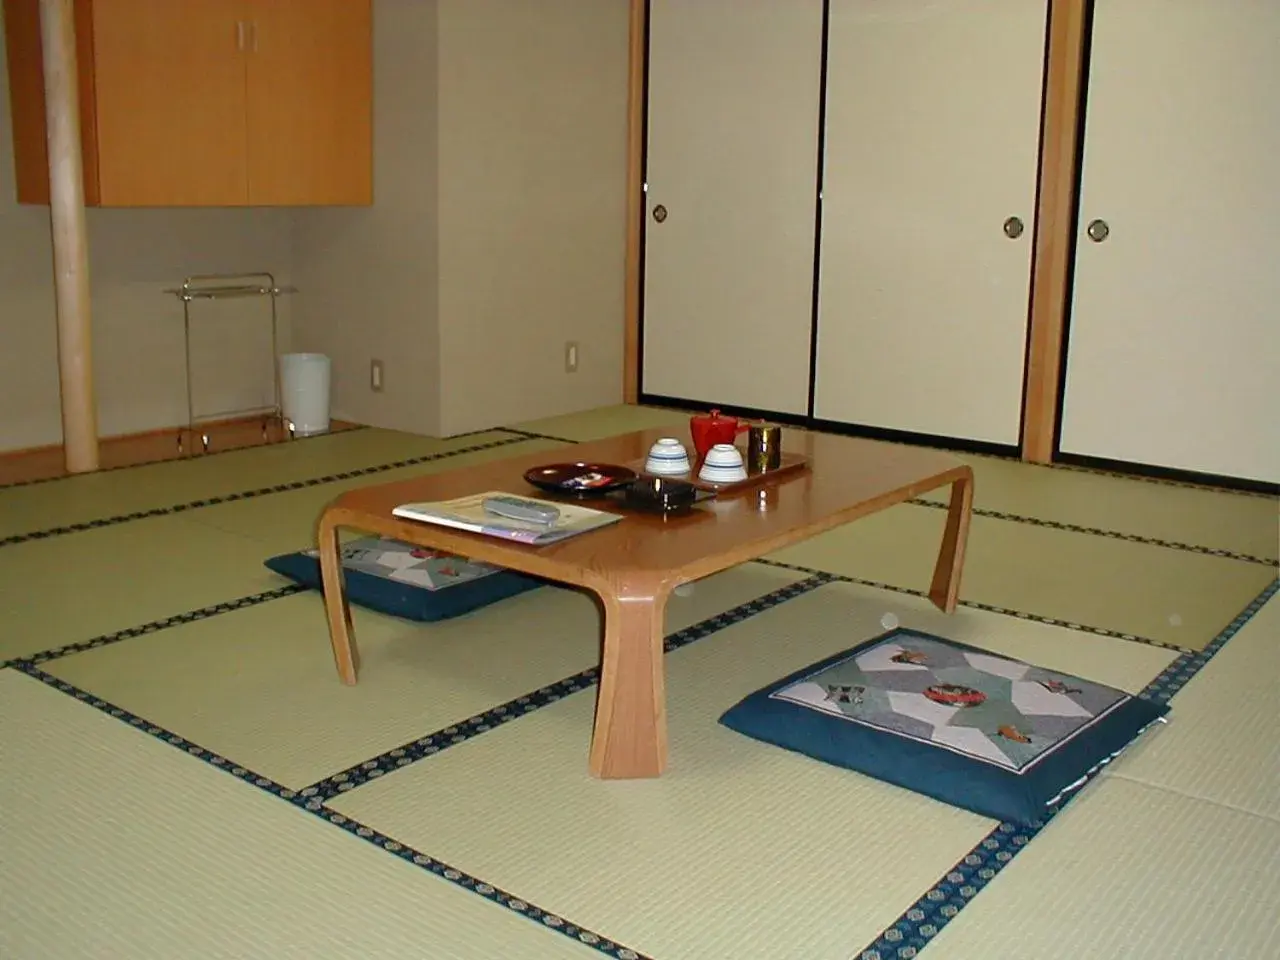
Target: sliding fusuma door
1173, 342
928, 216
731, 171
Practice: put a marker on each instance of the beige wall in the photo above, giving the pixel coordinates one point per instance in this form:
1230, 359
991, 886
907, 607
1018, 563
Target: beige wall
533, 100
137, 330
497, 231
496, 235
367, 277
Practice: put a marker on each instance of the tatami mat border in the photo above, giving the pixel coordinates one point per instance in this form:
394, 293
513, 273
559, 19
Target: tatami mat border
312, 798
1121, 475
532, 435
521, 435
904, 939
259, 492
987, 608
1161, 481
354, 827
199, 456
251, 600
1113, 534
415, 750
1054, 524
154, 626
920, 923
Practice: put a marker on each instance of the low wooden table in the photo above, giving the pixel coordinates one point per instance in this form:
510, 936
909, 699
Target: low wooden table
634, 565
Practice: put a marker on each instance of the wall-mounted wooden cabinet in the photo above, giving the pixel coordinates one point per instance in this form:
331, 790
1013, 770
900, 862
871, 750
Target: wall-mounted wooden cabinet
206, 103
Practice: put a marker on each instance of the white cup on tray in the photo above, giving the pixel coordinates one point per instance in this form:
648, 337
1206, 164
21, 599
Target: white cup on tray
723, 464
668, 458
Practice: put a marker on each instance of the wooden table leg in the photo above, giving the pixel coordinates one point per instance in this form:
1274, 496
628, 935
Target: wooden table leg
944, 591
345, 653
630, 736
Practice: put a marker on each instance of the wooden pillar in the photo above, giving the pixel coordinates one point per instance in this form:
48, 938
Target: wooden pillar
1055, 221
70, 244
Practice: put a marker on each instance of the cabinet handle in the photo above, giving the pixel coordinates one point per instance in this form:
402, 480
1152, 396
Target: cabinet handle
1013, 228
253, 36
659, 213
240, 35
1098, 231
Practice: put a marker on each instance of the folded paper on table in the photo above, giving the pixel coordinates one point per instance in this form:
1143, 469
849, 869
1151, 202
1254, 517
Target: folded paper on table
468, 513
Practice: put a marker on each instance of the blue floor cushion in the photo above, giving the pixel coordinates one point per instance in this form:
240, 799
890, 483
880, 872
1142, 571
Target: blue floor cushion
1003, 738
416, 583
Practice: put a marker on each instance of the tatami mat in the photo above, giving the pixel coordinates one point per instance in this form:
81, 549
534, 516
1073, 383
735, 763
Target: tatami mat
1135, 588
118, 847
741, 850
283, 522
116, 492
1237, 522
607, 422
1225, 745
259, 685
1214, 519
71, 588
115, 844
68, 589
1131, 871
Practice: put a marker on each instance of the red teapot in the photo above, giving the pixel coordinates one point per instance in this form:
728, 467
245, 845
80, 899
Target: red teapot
709, 429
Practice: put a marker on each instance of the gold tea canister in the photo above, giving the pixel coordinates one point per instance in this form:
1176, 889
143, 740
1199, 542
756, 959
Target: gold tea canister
764, 447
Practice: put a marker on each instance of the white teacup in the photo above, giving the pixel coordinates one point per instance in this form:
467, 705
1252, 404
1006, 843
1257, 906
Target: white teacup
723, 464
667, 457
724, 455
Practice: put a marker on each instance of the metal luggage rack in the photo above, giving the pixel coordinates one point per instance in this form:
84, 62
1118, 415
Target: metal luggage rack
222, 286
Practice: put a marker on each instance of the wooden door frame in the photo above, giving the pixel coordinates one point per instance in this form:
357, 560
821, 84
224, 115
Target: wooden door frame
1054, 249
1058, 178
637, 68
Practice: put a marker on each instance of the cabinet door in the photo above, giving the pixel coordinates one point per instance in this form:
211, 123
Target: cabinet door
1173, 350
170, 94
731, 191
27, 101
932, 143
310, 69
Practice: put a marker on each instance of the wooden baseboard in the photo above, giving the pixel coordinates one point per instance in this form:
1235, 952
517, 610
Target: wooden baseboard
149, 446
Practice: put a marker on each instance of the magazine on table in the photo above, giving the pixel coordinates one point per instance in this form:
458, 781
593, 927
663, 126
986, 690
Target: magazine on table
469, 513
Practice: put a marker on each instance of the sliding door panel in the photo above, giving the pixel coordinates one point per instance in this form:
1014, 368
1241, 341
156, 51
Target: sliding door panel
734, 89
1173, 352
929, 197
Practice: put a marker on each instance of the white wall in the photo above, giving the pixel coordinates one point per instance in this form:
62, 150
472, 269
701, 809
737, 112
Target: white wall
368, 277
497, 233
137, 331
498, 227
533, 104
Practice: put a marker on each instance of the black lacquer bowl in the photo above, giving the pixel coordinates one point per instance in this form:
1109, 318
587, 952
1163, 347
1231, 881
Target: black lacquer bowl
660, 494
580, 478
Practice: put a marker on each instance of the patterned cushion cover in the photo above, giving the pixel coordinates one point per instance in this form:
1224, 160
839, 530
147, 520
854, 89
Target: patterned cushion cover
407, 581
1003, 738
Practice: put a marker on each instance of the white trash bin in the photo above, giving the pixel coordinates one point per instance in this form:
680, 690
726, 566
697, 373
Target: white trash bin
304, 392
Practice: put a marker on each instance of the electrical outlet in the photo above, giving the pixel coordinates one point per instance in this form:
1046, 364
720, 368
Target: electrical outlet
571, 356
375, 376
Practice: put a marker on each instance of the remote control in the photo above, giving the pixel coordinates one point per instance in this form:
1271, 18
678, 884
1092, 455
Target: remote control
513, 508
